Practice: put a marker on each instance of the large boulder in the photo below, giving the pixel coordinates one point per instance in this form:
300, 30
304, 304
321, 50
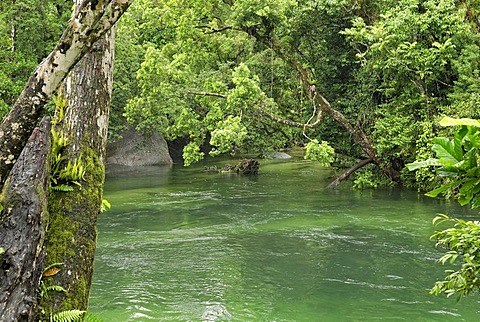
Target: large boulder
138, 149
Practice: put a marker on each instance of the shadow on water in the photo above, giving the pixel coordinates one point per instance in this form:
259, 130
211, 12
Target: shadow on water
184, 245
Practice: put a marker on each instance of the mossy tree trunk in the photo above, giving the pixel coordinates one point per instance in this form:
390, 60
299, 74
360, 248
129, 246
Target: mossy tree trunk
24, 219
73, 215
22, 229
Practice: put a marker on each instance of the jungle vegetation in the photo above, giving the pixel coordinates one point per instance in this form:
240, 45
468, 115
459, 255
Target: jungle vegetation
237, 76
351, 80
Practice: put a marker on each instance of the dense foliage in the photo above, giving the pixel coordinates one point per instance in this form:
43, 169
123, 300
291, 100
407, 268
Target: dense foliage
457, 162
229, 76
28, 31
392, 68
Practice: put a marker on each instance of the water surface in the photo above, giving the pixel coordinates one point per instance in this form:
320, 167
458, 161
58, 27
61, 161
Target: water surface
184, 245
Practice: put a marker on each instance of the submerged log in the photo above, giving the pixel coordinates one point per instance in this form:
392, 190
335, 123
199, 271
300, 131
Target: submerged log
22, 228
248, 167
244, 167
346, 174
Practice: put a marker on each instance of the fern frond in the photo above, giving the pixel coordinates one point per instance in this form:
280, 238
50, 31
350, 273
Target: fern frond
90, 317
67, 316
56, 288
62, 187
52, 265
105, 205
52, 288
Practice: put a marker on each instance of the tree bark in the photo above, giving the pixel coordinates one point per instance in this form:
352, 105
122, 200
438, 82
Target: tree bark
22, 229
72, 239
93, 19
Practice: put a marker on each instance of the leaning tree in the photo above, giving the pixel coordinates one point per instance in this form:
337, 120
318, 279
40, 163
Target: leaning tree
68, 154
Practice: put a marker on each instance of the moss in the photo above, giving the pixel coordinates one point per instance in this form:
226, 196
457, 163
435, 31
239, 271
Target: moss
72, 235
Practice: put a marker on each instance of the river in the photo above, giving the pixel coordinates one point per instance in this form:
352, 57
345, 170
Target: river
180, 244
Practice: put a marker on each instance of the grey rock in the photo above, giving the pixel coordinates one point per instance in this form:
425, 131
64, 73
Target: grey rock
138, 149
278, 156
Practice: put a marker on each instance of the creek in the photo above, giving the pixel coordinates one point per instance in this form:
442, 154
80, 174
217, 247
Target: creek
180, 244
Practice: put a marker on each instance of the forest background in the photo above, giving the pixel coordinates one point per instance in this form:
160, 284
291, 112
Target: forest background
246, 76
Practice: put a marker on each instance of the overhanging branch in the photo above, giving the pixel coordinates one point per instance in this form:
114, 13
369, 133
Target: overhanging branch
318, 120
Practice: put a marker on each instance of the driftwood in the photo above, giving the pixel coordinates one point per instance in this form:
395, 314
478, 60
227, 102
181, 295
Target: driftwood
346, 174
22, 228
244, 167
248, 167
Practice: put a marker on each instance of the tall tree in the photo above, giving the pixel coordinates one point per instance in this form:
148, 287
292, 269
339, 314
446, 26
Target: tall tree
85, 129
71, 240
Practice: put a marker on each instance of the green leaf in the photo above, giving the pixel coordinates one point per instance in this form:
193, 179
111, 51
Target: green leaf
434, 193
423, 164
105, 205
447, 151
449, 121
440, 218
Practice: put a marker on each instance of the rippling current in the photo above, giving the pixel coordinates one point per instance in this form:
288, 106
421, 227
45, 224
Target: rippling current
184, 245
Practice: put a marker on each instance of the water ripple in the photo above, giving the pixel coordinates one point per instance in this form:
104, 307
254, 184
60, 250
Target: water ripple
361, 283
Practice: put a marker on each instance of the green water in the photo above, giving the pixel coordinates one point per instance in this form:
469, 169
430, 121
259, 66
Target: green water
183, 245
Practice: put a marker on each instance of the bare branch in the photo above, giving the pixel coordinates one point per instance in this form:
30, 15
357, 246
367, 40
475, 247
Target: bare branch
210, 30
208, 94
348, 173
293, 123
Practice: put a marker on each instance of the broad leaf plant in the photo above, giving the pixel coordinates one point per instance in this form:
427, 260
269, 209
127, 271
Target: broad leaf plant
458, 162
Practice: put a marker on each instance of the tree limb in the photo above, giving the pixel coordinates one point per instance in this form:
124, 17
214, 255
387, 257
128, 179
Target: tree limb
207, 94
268, 114
213, 30
346, 174
293, 123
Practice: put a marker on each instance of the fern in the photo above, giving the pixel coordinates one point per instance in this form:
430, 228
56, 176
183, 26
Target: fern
52, 265
45, 290
105, 205
67, 316
62, 187
90, 317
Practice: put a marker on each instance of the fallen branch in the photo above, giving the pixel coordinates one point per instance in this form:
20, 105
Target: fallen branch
346, 174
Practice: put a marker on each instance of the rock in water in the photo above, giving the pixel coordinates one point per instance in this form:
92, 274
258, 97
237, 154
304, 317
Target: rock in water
137, 149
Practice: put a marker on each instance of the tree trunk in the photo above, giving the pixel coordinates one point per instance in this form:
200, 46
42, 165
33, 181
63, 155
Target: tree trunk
72, 237
94, 18
22, 229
